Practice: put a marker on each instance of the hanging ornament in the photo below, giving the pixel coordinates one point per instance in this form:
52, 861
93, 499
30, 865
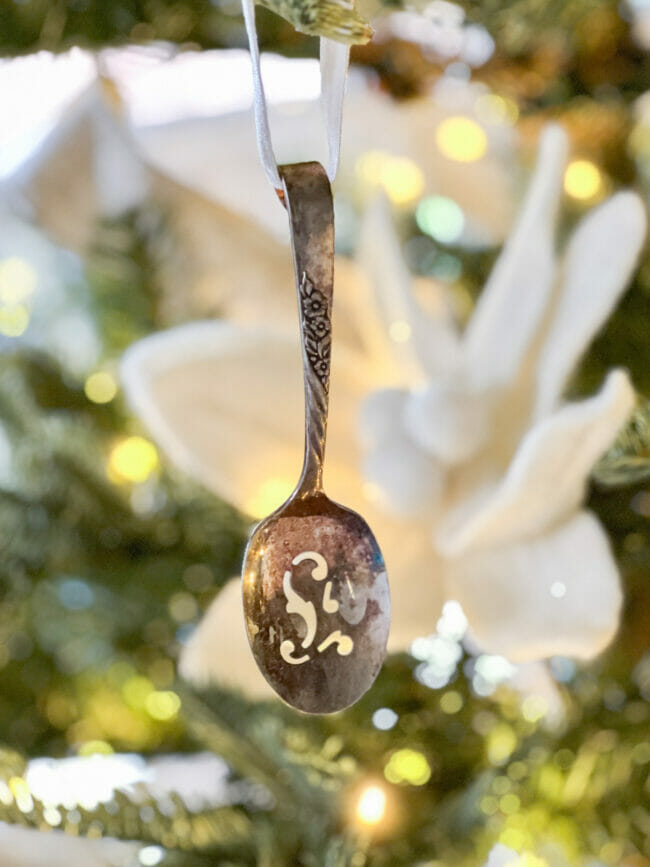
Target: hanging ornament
314, 583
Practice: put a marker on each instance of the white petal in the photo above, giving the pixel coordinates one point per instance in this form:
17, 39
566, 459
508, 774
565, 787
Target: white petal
218, 652
501, 856
88, 165
512, 304
548, 476
396, 326
450, 423
225, 402
415, 576
382, 413
408, 480
334, 62
23, 847
558, 594
121, 178
599, 261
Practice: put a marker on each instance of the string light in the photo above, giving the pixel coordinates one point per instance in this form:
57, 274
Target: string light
13, 321
401, 178
162, 705
100, 387
451, 702
408, 766
441, 218
501, 744
271, 494
20, 790
96, 748
133, 459
17, 280
399, 331
493, 108
371, 806
384, 719
149, 856
461, 139
583, 180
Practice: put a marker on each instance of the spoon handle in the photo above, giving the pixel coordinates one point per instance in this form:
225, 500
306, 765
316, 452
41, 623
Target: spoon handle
308, 199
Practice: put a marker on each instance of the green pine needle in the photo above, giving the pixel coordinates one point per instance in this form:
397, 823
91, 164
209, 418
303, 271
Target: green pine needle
628, 460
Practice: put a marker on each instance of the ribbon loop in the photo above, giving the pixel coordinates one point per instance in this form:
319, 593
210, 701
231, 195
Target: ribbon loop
334, 61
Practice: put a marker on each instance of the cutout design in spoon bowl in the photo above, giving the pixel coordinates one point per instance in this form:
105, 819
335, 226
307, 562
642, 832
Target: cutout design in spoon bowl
315, 590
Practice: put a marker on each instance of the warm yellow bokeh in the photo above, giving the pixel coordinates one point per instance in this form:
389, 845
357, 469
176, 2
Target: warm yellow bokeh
400, 177
408, 766
132, 460
17, 280
371, 806
270, 494
13, 320
583, 180
100, 387
461, 139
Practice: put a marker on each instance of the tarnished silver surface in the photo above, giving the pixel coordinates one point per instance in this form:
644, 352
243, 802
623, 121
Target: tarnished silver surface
315, 589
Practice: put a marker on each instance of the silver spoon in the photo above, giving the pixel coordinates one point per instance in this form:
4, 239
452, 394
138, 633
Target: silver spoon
315, 590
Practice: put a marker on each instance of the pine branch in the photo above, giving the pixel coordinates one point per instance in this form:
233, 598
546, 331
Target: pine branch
226, 832
628, 460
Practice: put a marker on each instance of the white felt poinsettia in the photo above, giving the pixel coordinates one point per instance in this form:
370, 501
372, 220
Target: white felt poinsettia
458, 448
548, 856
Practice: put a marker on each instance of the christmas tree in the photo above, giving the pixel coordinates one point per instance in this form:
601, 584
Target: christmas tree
489, 418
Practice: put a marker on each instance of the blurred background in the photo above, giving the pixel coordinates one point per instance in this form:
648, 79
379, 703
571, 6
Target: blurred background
150, 410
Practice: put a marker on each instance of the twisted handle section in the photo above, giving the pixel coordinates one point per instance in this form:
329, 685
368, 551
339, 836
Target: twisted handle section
308, 199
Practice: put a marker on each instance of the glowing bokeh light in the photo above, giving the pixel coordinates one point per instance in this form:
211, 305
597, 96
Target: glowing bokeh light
441, 218
149, 856
493, 108
399, 331
17, 280
183, 607
13, 320
501, 744
136, 690
401, 178
133, 459
371, 806
271, 494
408, 766
583, 180
461, 139
96, 748
22, 795
534, 708
384, 719
162, 705
527, 859
100, 387
451, 702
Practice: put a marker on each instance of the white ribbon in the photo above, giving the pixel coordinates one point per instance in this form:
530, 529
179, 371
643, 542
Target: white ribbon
334, 60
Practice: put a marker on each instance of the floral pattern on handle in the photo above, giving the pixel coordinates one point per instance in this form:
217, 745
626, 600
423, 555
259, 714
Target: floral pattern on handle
317, 329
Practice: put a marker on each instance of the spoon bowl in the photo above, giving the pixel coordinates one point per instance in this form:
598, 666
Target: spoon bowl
316, 602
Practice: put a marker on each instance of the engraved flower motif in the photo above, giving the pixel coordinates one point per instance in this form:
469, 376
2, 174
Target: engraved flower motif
467, 463
319, 327
314, 303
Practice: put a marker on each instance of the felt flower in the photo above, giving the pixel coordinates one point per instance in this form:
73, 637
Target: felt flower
502, 856
457, 447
